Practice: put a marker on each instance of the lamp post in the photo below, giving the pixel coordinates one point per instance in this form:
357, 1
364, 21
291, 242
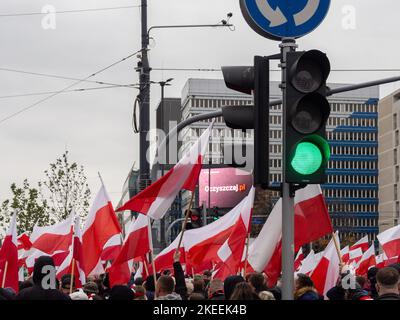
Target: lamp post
144, 70
164, 127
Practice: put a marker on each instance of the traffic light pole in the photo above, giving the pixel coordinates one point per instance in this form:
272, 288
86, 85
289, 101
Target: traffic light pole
287, 45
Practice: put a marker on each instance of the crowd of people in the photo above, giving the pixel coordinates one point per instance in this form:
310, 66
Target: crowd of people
380, 284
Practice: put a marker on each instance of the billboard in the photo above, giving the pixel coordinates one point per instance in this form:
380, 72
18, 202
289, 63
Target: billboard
225, 188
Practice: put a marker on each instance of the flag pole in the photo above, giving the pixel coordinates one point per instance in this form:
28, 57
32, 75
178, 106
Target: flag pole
72, 276
145, 268
337, 248
101, 179
185, 221
3, 282
152, 257
247, 254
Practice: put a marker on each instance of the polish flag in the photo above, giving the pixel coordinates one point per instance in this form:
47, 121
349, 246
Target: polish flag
390, 241
367, 261
355, 255
156, 199
309, 263
57, 237
165, 259
101, 225
326, 273
112, 248
380, 260
137, 240
24, 245
231, 252
202, 244
299, 258
345, 253
9, 257
33, 254
363, 244
136, 245
74, 263
311, 222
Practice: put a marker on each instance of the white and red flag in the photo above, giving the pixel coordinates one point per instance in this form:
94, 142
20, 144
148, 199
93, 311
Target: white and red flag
165, 259
355, 255
57, 237
101, 225
233, 249
309, 263
9, 257
345, 253
24, 245
311, 222
299, 258
367, 261
156, 199
136, 243
390, 241
326, 273
74, 263
363, 244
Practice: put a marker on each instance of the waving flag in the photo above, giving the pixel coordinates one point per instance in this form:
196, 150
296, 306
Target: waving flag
101, 225
311, 222
363, 244
231, 252
367, 261
9, 257
390, 241
57, 237
74, 263
156, 199
326, 273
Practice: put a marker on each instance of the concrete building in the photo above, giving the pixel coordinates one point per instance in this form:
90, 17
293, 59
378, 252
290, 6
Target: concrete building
352, 188
389, 165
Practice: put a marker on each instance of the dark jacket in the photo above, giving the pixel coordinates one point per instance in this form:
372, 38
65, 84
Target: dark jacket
218, 295
336, 293
180, 283
37, 292
306, 293
389, 296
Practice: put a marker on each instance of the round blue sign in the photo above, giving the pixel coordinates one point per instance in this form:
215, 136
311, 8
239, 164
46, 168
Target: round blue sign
277, 19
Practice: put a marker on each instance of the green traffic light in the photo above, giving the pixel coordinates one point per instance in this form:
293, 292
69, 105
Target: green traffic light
307, 158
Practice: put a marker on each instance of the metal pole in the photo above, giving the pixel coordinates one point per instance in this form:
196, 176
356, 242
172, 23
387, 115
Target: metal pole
162, 222
287, 45
144, 102
204, 213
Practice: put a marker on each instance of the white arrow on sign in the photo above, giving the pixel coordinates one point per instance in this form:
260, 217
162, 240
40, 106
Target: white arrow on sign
307, 13
276, 17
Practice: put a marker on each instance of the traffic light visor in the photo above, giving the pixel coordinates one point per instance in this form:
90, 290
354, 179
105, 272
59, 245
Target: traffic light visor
310, 71
309, 155
310, 113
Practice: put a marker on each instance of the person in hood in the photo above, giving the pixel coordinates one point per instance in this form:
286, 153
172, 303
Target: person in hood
120, 292
44, 282
230, 284
304, 288
165, 289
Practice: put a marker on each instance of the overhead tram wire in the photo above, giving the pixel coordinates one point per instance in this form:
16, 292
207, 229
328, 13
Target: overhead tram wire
64, 89
272, 70
57, 76
5, 15
135, 86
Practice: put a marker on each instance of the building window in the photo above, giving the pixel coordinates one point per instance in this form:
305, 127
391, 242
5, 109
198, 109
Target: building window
394, 121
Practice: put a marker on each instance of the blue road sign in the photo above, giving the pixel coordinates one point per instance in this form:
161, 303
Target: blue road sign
277, 19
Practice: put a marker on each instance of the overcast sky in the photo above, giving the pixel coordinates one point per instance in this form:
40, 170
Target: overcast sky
95, 126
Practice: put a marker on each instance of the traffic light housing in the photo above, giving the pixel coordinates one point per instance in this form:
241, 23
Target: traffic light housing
307, 110
248, 80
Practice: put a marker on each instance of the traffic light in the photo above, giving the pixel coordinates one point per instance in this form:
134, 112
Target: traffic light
307, 111
195, 220
248, 80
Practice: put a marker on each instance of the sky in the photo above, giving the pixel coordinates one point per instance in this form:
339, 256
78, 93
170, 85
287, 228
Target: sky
95, 125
